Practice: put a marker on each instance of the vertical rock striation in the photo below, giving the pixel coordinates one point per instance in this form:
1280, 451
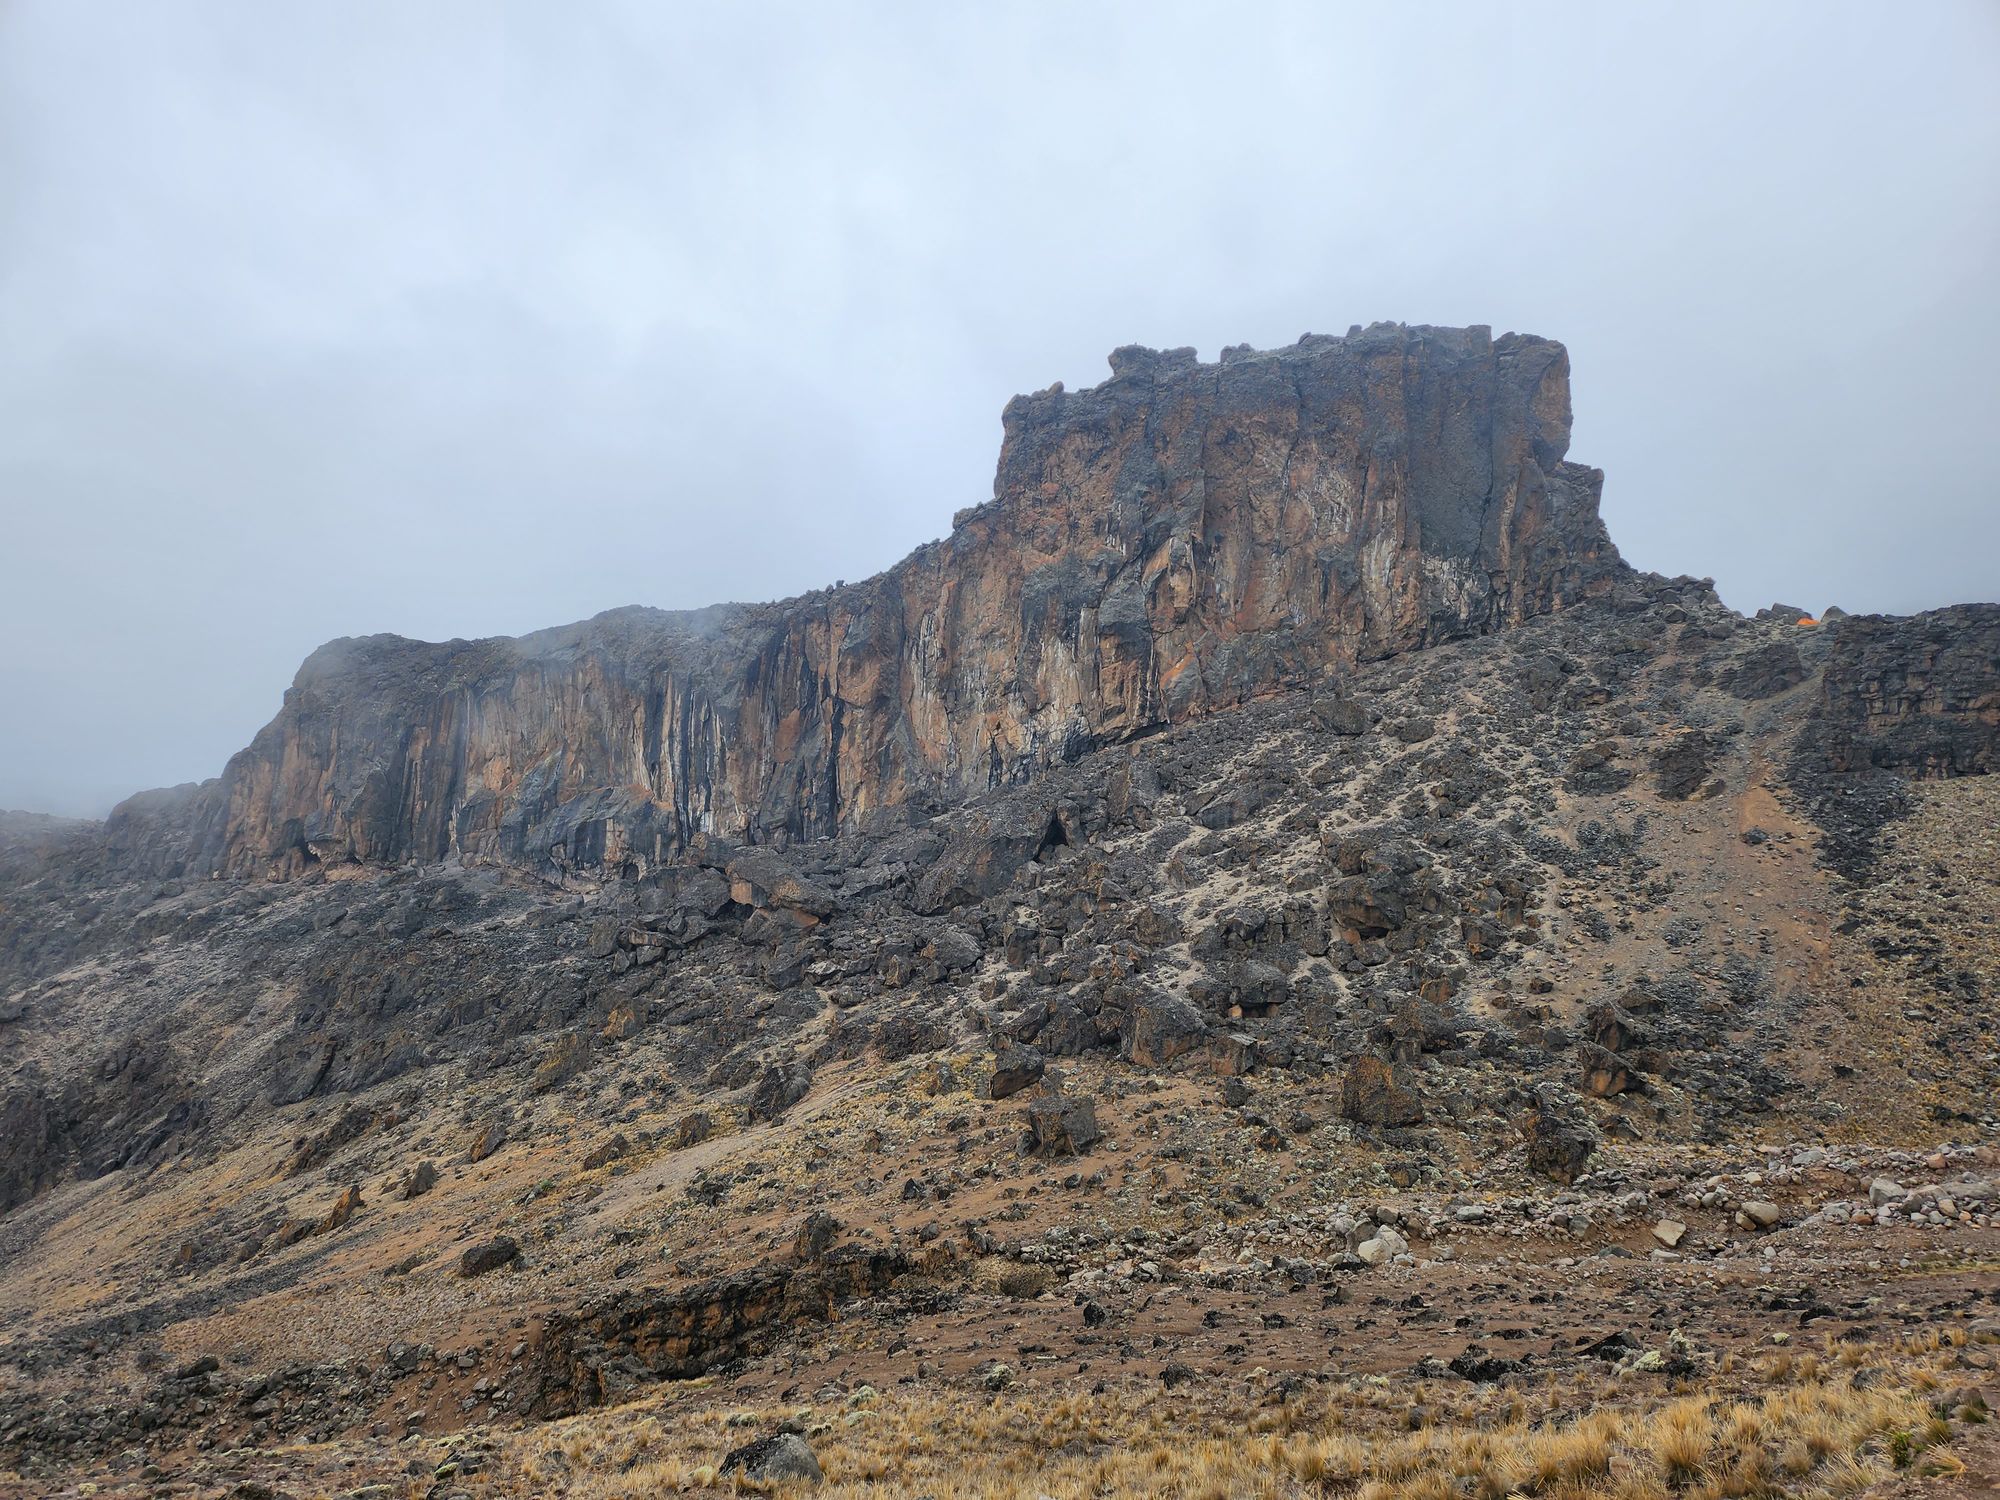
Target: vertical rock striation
1177, 540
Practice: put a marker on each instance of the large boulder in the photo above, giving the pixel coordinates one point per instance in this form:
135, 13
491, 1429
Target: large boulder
1161, 1027
344, 1208
1559, 1141
1015, 1067
488, 1255
1340, 715
1371, 1093
979, 863
775, 1459
1605, 1073
1062, 1126
762, 879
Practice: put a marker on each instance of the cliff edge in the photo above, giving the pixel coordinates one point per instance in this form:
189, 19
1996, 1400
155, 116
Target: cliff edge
1182, 538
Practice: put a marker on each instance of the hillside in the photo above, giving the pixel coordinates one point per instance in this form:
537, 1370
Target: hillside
1269, 935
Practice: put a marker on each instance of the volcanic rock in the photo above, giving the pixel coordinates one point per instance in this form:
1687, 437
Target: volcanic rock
489, 1255
1133, 569
772, 1460
1371, 1093
1014, 1068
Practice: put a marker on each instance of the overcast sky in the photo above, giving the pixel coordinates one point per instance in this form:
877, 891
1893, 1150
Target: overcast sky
463, 319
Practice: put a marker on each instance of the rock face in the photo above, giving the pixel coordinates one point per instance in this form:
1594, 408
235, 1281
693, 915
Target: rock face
1182, 538
607, 1347
1916, 693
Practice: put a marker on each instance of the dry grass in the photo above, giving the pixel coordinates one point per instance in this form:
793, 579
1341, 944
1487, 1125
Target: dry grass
1819, 1437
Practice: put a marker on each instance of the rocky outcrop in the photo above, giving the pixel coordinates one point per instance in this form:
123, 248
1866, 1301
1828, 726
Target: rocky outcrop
609, 1347
1180, 539
1916, 693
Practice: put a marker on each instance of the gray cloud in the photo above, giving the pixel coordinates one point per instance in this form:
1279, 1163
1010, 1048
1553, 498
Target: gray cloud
324, 319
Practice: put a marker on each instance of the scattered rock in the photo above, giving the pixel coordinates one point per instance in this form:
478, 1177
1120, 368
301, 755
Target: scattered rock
491, 1137
423, 1177
343, 1209
815, 1237
1161, 1027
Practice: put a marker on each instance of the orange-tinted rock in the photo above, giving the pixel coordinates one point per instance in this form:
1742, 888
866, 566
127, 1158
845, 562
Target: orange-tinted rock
1177, 540
1371, 1092
343, 1209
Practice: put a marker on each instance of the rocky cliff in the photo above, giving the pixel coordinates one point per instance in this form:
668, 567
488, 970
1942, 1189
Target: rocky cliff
1916, 693
1181, 538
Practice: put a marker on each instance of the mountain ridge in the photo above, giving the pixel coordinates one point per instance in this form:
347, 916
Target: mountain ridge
1182, 537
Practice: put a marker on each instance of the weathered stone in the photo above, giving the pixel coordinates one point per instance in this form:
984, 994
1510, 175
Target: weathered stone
815, 1236
1684, 766
488, 1255
1136, 568
1161, 1027
1605, 1074
1015, 1068
691, 1129
782, 1457
1559, 1143
1756, 1213
1062, 1126
607, 1348
1341, 716
423, 1177
491, 1137
344, 1208
605, 1152
1919, 693
1371, 1093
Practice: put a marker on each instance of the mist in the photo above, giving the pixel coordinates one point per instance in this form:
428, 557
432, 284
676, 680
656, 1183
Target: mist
470, 319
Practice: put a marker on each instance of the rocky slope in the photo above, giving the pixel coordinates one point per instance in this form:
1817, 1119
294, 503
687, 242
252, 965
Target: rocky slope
1182, 538
1271, 953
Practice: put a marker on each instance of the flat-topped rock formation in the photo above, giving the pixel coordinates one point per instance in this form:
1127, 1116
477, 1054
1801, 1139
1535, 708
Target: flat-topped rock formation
1181, 538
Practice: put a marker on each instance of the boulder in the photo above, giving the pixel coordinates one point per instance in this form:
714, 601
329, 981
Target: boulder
781, 1457
1340, 715
343, 1209
815, 1237
1759, 1214
491, 1137
762, 879
1559, 1142
1160, 1027
423, 1177
1371, 1093
488, 1255
977, 864
606, 1152
1060, 1126
1605, 1073
1015, 1067
691, 1129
